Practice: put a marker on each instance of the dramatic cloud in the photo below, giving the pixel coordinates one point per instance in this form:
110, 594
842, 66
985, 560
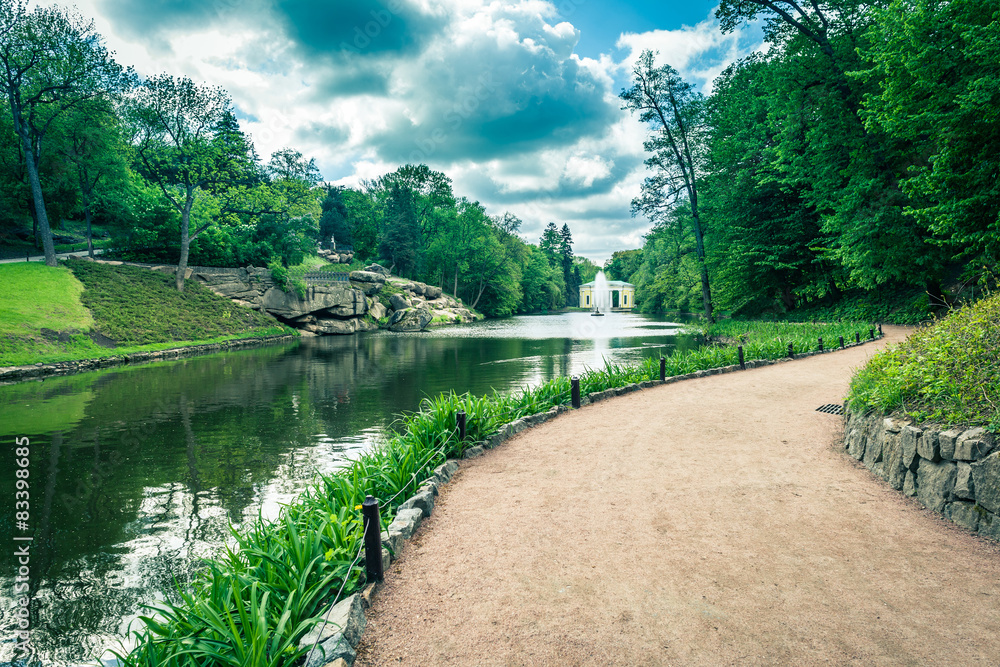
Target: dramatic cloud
491, 93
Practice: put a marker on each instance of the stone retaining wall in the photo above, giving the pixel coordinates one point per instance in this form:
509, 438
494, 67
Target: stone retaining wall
955, 472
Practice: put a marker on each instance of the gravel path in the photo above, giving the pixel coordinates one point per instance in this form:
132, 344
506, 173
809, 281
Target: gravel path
714, 521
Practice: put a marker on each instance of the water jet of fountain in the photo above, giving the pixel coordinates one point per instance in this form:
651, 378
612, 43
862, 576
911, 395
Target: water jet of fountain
602, 295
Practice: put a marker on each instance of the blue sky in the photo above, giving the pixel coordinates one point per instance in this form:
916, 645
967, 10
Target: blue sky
515, 101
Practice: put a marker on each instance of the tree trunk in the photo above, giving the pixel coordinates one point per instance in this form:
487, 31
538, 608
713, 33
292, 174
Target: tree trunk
38, 201
185, 240
455, 291
85, 196
706, 292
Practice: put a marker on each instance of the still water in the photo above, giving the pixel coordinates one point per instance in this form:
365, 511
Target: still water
136, 473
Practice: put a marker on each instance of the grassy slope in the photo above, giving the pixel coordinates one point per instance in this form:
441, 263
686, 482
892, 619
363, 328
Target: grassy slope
137, 308
948, 372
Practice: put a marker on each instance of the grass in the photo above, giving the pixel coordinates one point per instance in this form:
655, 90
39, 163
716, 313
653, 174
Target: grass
946, 372
48, 314
252, 604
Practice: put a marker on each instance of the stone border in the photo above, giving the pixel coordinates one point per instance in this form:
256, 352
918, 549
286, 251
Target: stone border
19, 373
336, 639
954, 472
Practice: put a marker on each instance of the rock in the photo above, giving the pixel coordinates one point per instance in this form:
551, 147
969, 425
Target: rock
946, 443
333, 327
445, 471
407, 521
964, 514
339, 662
986, 482
973, 445
423, 501
418, 288
398, 302
432, 292
410, 319
289, 305
927, 446
989, 524
367, 277
857, 440
473, 452
377, 268
368, 594
909, 437
338, 635
892, 456
964, 485
892, 425
935, 483
873, 450
392, 539
377, 310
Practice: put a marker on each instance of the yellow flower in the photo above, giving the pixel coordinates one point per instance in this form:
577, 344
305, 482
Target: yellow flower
357, 507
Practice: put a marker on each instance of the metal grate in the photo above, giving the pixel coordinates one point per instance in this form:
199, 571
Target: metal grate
831, 409
314, 277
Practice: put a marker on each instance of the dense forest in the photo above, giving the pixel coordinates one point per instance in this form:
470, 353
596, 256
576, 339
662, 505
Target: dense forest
161, 168
859, 152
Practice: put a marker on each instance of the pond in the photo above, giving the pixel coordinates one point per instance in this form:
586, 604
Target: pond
137, 472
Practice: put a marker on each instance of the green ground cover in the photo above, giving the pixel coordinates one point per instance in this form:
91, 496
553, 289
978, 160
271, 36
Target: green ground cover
946, 372
54, 314
252, 604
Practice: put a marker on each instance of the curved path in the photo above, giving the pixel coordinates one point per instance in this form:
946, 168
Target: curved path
714, 521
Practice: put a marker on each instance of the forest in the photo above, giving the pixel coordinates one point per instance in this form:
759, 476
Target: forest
159, 170
854, 159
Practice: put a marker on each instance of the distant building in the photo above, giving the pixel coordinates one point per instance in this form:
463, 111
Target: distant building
622, 295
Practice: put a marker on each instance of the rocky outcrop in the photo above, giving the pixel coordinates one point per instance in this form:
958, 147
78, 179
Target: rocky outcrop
410, 319
954, 472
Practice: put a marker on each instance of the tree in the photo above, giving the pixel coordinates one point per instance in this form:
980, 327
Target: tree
92, 145
189, 145
333, 227
51, 60
550, 242
401, 243
675, 110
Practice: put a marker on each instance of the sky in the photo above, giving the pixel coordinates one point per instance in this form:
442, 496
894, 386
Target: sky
517, 102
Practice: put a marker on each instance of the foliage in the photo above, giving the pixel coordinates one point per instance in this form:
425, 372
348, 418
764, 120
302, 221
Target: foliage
944, 372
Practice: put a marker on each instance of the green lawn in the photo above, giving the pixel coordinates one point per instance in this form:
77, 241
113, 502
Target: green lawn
52, 314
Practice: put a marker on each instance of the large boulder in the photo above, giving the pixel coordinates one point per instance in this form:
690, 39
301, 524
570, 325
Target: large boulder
333, 327
289, 305
398, 302
377, 268
368, 282
986, 481
410, 319
378, 311
432, 292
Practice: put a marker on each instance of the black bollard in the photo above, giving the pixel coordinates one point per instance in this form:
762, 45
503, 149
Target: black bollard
857, 337
871, 333
739, 353
791, 351
460, 417
879, 328
575, 385
373, 539
820, 344
841, 342
663, 369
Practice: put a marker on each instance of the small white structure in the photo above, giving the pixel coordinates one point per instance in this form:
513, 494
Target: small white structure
593, 295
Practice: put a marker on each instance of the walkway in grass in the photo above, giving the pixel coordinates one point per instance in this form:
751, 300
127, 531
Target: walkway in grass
709, 522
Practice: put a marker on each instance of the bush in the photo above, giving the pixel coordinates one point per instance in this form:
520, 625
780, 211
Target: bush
947, 372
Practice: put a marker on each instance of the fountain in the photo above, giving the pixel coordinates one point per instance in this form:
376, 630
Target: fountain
602, 295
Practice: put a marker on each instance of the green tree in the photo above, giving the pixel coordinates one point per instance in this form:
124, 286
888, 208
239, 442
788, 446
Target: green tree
401, 242
939, 92
333, 225
675, 112
51, 60
189, 145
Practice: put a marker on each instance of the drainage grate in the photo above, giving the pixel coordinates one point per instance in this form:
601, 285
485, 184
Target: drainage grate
831, 409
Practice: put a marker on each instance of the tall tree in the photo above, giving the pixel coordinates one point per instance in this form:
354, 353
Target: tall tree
401, 239
189, 145
675, 112
51, 60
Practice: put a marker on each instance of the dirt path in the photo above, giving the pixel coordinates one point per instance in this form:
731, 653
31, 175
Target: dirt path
709, 522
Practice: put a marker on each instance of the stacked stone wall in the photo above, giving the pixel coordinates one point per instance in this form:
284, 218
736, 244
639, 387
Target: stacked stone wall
955, 472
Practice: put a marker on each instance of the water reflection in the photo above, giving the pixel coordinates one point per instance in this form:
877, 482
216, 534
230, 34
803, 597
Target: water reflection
136, 472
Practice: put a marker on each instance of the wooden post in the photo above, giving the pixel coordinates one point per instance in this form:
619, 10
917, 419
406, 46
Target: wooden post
857, 337
820, 344
460, 417
791, 351
871, 333
739, 353
373, 540
841, 342
575, 390
663, 369
879, 328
